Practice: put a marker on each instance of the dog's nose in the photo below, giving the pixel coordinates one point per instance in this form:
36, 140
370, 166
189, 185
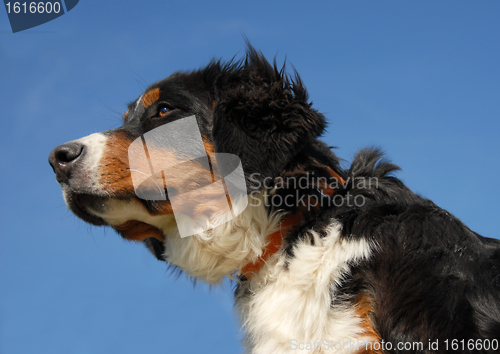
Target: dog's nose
62, 158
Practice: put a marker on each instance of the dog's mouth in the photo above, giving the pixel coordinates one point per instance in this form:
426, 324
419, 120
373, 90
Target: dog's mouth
81, 204
85, 206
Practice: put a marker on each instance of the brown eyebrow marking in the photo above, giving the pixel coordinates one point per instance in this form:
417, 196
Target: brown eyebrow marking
125, 115
151, 97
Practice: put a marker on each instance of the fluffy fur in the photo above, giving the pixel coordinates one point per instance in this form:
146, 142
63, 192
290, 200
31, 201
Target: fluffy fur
367, 267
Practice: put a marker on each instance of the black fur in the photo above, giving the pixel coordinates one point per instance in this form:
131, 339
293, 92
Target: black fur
263, 116
430, 277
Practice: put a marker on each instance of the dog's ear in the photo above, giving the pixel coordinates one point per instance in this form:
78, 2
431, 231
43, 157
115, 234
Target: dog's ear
262, 115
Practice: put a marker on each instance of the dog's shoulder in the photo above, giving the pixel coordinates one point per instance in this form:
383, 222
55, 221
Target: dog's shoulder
428, 271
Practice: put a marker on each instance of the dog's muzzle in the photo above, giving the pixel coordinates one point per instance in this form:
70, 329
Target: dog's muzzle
63, 158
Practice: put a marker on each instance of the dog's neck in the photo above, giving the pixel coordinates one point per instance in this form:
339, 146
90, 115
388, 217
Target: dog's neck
225, 249
274, 242
240, 246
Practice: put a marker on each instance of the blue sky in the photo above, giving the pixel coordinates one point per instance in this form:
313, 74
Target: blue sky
421, 79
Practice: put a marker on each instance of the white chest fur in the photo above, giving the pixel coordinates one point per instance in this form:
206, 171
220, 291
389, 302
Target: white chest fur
288, 307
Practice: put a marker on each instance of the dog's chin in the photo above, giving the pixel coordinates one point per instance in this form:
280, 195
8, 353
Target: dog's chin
82, 204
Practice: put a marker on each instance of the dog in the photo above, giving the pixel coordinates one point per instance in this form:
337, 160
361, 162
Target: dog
323, 258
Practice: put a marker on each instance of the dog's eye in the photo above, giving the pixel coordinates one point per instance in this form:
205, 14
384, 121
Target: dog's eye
163, 110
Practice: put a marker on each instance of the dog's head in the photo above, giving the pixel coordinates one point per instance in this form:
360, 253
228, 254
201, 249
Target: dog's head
249, 109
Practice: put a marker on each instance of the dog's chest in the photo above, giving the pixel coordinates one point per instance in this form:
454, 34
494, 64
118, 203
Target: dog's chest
290, 306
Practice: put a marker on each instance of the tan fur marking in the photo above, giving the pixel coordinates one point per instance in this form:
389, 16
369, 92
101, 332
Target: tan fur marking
114, 172
364, 310
162, 208
138, 231
115, 177
151, 97
191, 177
209, 147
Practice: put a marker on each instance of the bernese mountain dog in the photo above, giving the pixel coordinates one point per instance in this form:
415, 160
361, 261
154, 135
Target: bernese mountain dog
323, 258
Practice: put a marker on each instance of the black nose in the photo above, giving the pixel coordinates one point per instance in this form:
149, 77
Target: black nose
62, 158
